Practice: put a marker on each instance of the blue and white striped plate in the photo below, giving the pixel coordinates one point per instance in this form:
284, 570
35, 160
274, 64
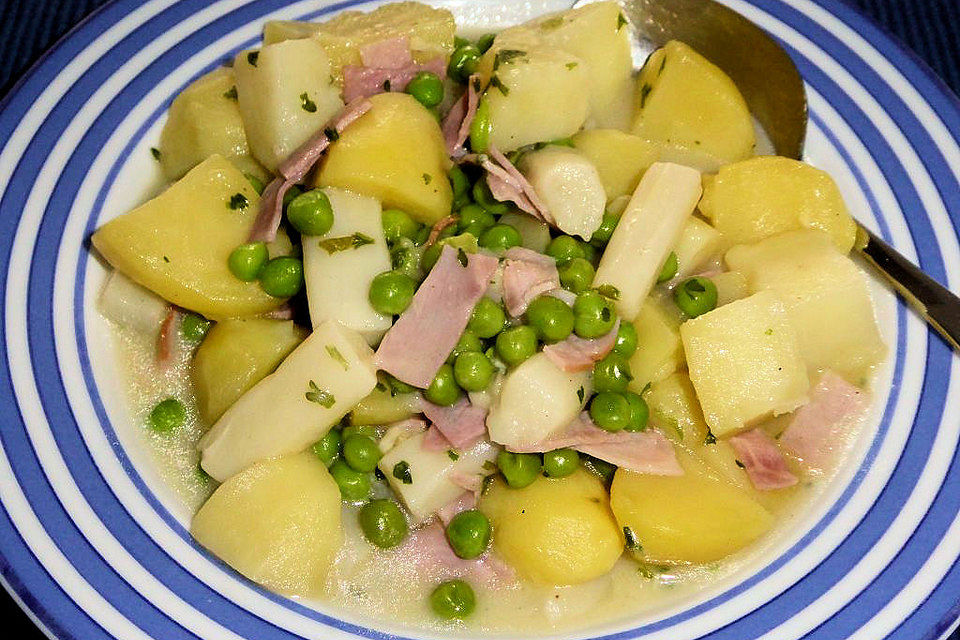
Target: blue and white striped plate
95, 547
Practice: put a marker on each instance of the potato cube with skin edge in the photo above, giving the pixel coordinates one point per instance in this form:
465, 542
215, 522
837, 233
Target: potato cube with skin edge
178, 243
620, 158
317, 384
826, 297
648, 230
569, 186
285, 96
745, 363
337, 281
684, 100
396, 154
276, 522
761, 197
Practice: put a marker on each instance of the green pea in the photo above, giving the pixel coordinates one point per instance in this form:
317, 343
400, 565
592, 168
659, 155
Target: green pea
443, 390
291, 195
194, 327
483, 197
463, 62
487, 319
427, 88
405, 259
353, 484
639, 412
696, 296
282, 277
469, 534
500, 237
595, 316
474, 217
551, 318
590, 253
422, 236
167, 415
256, 182
453, 600
576, 274
473, 371
383, 523
602, 235
430, 256
626, 343
366, 430
563, 248
460, 185
670, 267
398, 224
610, 411
361, 453
460, 42
516, 344
247, 261
518, 469
560, 463
485, 41
480, 128
612, 373
468, 342
327, 448
310, 213
601, 468
391, 292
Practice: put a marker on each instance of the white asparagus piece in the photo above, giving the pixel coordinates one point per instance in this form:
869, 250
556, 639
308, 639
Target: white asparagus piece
130, 305
569, 186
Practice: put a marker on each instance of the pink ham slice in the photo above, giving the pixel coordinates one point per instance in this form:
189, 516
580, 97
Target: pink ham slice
363, 82
643, 452
433, 553
466, 501
296, 167
420, 341
762, 460
506, 179
434, 440
456, 124
438, 228
167, 338
526, 275
577, 354
820, 429
462, 423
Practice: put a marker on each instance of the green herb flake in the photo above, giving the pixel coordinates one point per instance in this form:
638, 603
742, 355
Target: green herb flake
605, 314
571, 66
462, 257
631, 539
581, 393
506, 56
252, 58
307, 104
386, 85
710, 439
740, 464
231, 94
238, 201
621, 21
343, 243
477, 85
427, 178
155, 153
331, 134
609, 291
489, 465
663, 63
336, 355
768, 332
453, 455
166, 259
644, 93
316, 394
498, 84
401, 471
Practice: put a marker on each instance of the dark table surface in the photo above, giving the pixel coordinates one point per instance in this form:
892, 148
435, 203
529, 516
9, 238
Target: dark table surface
931, 28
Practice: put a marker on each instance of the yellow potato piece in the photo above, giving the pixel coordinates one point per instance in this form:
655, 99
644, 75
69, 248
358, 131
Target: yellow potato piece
659, 352
674, 407
696, 517
555, 531
620, 158
685, 102
177, 244
277, 523
235, 355
761, 197
396, 154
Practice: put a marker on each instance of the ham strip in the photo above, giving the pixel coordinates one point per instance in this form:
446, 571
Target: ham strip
526, 275
577, 354
456, 124
420, 341
517, 185
819, 430
643, 452
295, 168
400, 431
363, 82
167, 338
761, 457
434, 440
465, 502
429, 545
438, 228
462, 423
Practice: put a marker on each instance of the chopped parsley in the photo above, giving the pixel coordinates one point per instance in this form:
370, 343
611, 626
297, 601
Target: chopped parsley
609, 291
316, 394
238, 201
427, 178
252, 58
621, 20
331, 134
663, 64
155, 153
581, 392
768, 332
644, 93
571, 66
462, 258
307, 104
605, 314
336, 355
231, 93
386, 85
740, 464
343, 243
453, 455
631, 539
401, 471
506, 56
498, 84
166, 259
710, 439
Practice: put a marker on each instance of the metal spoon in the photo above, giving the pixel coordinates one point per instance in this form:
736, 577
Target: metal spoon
774, 91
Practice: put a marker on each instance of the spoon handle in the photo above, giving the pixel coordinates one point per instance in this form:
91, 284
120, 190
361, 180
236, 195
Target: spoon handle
929, 298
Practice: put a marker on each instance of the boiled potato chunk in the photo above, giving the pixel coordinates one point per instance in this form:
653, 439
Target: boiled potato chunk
177, 244
533, 233
314, 387
699, 242
277, 523
235, 355
659, 352
555, 531
430, 32
731, 285
285, 95
674, 407
620, 158
569, 186
684, 99
825, 294
745, 363
204, 120
755, 199
696, 517
383, 406
537, 92
396, 154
